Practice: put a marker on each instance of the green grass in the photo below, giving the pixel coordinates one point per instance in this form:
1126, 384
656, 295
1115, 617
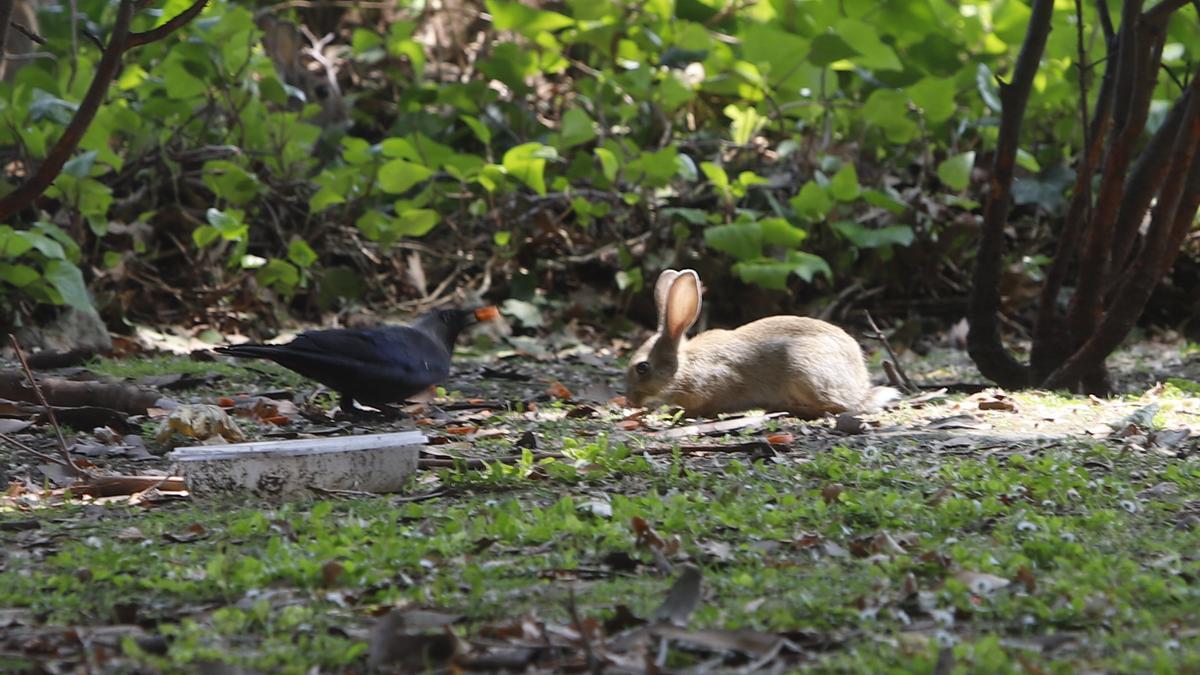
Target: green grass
1107, 567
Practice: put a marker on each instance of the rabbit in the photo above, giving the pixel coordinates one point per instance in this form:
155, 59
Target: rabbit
800, 365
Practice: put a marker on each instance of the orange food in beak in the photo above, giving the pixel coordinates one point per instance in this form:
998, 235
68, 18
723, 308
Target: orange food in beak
486, 313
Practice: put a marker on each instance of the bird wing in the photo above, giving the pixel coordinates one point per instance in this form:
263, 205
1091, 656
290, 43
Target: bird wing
395, 350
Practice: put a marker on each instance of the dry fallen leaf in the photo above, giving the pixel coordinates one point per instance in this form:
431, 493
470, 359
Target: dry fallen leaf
201, 422
558, 390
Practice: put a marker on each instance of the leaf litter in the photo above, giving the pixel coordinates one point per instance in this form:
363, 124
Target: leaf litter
562, 429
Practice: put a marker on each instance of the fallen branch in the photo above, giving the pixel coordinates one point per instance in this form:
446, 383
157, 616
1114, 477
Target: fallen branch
127, 398
115, 486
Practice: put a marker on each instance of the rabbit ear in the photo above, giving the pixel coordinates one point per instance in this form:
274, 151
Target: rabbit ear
661, 288
683, 304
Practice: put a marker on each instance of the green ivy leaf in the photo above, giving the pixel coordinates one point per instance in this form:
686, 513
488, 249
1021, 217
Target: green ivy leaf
827, 48
301, 253
399, 175
812, 203
279, 274
204, 235
227, 223
955, 171
525, 20
13, 243
716, 175
230, 182
481, 130
743, 241
888, 110
416, 222
935, 97
655, 168
844, 185
867, 237
18, 275
884, 201
864, 38
773, 273
779, 232
1027, 161
577, 128
68, 281
608, 163
80, 166
527, 163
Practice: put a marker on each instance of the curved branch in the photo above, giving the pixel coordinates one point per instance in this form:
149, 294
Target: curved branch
983, 341
178, 21
120, 41
1160, 13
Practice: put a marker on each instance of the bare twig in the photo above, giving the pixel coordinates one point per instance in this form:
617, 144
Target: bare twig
36, 453
37, 390
878, 335
593, 664
24, 30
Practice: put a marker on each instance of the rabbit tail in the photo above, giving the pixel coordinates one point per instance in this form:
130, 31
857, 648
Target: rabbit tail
879, 398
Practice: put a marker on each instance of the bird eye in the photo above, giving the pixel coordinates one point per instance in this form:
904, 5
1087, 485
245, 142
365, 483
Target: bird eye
642, 367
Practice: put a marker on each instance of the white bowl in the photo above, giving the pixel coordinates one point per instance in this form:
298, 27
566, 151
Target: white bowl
289, 469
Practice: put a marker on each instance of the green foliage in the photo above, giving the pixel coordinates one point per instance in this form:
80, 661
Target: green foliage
39, 265
772, 109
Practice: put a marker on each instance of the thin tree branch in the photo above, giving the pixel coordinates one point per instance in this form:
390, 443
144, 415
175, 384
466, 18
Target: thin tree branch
1143, 184
6, 12
983, 341
1049, 349
110, 64
1184, 216
37, 390
176, 22
1161, 13
1136, 79
1130, 298
45, 457
24, 30
1106, 23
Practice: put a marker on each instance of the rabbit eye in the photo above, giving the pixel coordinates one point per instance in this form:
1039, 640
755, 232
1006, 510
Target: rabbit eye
642, 367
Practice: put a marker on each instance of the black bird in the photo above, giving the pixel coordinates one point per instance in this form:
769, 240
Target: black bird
373, 366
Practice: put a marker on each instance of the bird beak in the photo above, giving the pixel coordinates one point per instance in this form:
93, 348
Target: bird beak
486, 313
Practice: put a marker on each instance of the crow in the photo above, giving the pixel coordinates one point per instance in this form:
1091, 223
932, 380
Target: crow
373, 366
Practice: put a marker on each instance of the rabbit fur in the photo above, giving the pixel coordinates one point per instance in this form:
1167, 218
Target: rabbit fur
800, 365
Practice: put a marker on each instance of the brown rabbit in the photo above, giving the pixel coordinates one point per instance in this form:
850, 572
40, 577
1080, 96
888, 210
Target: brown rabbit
803, 366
